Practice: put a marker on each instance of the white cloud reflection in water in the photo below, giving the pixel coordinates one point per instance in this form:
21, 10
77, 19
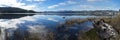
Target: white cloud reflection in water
33, 24
37, 24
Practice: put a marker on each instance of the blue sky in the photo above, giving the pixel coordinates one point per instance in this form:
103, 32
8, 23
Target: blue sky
56, 5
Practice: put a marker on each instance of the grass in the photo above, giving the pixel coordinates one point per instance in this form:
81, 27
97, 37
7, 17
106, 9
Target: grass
90, 35
115, 22
72, 21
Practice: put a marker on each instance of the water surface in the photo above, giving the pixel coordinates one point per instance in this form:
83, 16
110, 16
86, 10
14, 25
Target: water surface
41, 24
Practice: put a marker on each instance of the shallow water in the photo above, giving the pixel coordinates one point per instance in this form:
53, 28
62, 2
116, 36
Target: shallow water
41, 24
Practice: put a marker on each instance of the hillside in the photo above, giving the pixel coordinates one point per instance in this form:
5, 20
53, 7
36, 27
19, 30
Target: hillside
14, 10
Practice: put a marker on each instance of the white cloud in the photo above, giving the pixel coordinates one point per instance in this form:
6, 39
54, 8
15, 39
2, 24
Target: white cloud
91, 7
53, 19
9, 2
53, 6
83, 7
57, 5
94, 0
86, 6
39, 0
28, 7
71, 2
29, 0
62, 4
35, 0
16, 3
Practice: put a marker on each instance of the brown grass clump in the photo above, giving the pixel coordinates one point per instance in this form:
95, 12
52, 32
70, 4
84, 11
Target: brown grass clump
72, 21
115, 22
90, 35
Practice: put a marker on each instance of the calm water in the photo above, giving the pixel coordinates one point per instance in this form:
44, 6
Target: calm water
41, 24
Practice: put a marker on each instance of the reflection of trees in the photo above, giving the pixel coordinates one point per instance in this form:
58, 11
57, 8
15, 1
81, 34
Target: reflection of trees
18, 35
13, 16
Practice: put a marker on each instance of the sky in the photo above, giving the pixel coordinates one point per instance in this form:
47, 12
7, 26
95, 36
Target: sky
56, 5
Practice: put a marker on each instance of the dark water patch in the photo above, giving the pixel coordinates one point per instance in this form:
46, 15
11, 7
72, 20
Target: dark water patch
19, 15
13, 16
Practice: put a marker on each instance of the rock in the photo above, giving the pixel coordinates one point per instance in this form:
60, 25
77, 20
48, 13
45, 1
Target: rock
105, 31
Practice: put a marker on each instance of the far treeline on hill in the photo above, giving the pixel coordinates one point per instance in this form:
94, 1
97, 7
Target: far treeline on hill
19, 10
14, 10
6, 12
11, 10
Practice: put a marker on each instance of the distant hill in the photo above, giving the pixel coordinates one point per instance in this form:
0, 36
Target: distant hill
14, 10
85, 12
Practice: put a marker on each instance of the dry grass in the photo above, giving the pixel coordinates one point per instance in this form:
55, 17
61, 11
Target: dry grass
90, 35
73, 21
115, 22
